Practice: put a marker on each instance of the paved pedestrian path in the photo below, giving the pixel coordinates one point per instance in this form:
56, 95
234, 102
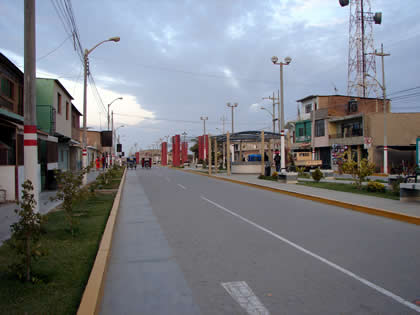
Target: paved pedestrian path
408, 208
8, 215
143, 276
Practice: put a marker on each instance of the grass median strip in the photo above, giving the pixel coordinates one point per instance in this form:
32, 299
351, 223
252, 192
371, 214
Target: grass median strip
350, 189
64, 271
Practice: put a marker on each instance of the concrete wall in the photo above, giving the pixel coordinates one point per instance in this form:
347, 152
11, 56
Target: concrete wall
402, 128
246, 168
63, 125
337, 105
93, 139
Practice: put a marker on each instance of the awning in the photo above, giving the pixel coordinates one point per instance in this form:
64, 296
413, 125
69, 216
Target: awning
15, 117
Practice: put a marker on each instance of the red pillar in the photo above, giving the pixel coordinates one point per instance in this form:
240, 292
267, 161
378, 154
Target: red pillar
176, 150
206, 147
184, 152
164, 154
137, 157
200, 147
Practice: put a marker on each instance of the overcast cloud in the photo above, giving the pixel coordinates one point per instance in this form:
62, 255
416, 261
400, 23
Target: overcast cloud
179, 60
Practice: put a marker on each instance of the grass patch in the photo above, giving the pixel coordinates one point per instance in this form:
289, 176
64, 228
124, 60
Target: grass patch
274, 179
351, 189
365, 181
64, 272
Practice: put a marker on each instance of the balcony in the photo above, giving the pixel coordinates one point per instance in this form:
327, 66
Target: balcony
349, 137
303, 139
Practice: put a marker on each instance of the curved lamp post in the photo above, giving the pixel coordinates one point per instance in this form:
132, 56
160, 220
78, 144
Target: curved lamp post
85, 65
286, 62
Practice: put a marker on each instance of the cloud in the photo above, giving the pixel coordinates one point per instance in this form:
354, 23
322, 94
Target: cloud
254, 107
231, 78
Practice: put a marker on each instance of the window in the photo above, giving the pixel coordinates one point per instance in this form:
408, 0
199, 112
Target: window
7, 88
319, 128
300, 132
308, 108
59, 103
67, 110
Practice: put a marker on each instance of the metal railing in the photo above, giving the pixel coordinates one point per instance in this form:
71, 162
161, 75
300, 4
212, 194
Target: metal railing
347, 134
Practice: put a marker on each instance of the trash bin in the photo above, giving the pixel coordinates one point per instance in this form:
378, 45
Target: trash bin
267, 170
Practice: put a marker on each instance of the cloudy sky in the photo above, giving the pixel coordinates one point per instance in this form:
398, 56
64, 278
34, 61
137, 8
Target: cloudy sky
181, 59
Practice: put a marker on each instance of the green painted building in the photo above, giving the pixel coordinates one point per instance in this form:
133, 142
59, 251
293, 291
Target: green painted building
303, 131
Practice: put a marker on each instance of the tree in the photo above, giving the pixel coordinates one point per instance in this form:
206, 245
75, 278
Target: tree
194, 148
70, 190
26, 233
359, 171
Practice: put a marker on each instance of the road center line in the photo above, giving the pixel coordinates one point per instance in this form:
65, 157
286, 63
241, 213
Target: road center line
183, 187
242, 293
325, 261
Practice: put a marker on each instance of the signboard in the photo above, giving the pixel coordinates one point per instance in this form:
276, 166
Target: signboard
367, 142
106, 138
418, 152
119, 147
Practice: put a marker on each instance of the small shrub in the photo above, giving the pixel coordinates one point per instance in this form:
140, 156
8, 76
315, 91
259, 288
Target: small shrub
275, 175
261, 177
395, 185
317, 175
301, 171
375, 187
25, 235
70, 190
359, 171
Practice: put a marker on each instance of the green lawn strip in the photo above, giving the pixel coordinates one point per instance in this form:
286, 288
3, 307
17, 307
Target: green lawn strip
365, 181
64, 272
350, 189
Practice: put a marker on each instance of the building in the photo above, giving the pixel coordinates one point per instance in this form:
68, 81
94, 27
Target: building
54, 118
330, 126
11, 129
75, 141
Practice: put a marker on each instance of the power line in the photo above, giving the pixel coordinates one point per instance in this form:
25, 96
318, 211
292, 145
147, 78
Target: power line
55, 49
406, 90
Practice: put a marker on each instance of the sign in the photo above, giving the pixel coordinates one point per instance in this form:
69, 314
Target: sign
367, 142
418, 152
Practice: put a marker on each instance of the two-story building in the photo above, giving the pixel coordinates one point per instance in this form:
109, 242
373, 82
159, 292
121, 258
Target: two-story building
54, 117
331, 126
75, 142
11, 129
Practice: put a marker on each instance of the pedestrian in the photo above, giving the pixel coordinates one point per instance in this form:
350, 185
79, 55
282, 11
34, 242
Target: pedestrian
277, 161
97, 163
103, 161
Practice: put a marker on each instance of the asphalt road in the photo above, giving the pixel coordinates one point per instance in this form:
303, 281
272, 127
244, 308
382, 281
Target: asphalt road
297, 256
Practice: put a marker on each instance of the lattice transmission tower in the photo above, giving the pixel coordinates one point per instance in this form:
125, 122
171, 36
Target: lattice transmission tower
361, 61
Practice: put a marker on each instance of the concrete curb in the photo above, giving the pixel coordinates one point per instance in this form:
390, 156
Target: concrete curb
93, 293
369, 210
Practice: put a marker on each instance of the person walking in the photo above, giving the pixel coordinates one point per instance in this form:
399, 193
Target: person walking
277, 161
103, 162
97, 163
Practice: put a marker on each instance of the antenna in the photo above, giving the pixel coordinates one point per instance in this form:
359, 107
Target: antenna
361, 63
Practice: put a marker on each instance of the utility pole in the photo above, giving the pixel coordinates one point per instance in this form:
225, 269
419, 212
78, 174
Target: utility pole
383, 86
30, 139
223, 119
112, 138
232, 107
274, 99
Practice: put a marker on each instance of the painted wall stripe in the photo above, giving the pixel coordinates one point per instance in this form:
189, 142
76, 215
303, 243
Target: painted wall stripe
183, 187
29, 129
30, 136
30, 143
242, 293
325, 261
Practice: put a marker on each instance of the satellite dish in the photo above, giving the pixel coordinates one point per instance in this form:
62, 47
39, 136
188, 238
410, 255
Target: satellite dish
378, 17
344, 3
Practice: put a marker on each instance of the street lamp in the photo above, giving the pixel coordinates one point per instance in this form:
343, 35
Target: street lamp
286, 62
110, 161
85, 66
272, 115
232, 106
204, 118
118, 98
114, 135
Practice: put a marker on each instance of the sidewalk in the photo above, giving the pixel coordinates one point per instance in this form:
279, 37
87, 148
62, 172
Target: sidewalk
8, 215
396, 206
143, 276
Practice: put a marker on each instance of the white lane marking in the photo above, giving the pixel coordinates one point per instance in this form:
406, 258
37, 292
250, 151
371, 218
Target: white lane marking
242, 293
325, 261
183, 187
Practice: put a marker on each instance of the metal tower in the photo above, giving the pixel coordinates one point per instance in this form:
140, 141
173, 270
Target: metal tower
361, 61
